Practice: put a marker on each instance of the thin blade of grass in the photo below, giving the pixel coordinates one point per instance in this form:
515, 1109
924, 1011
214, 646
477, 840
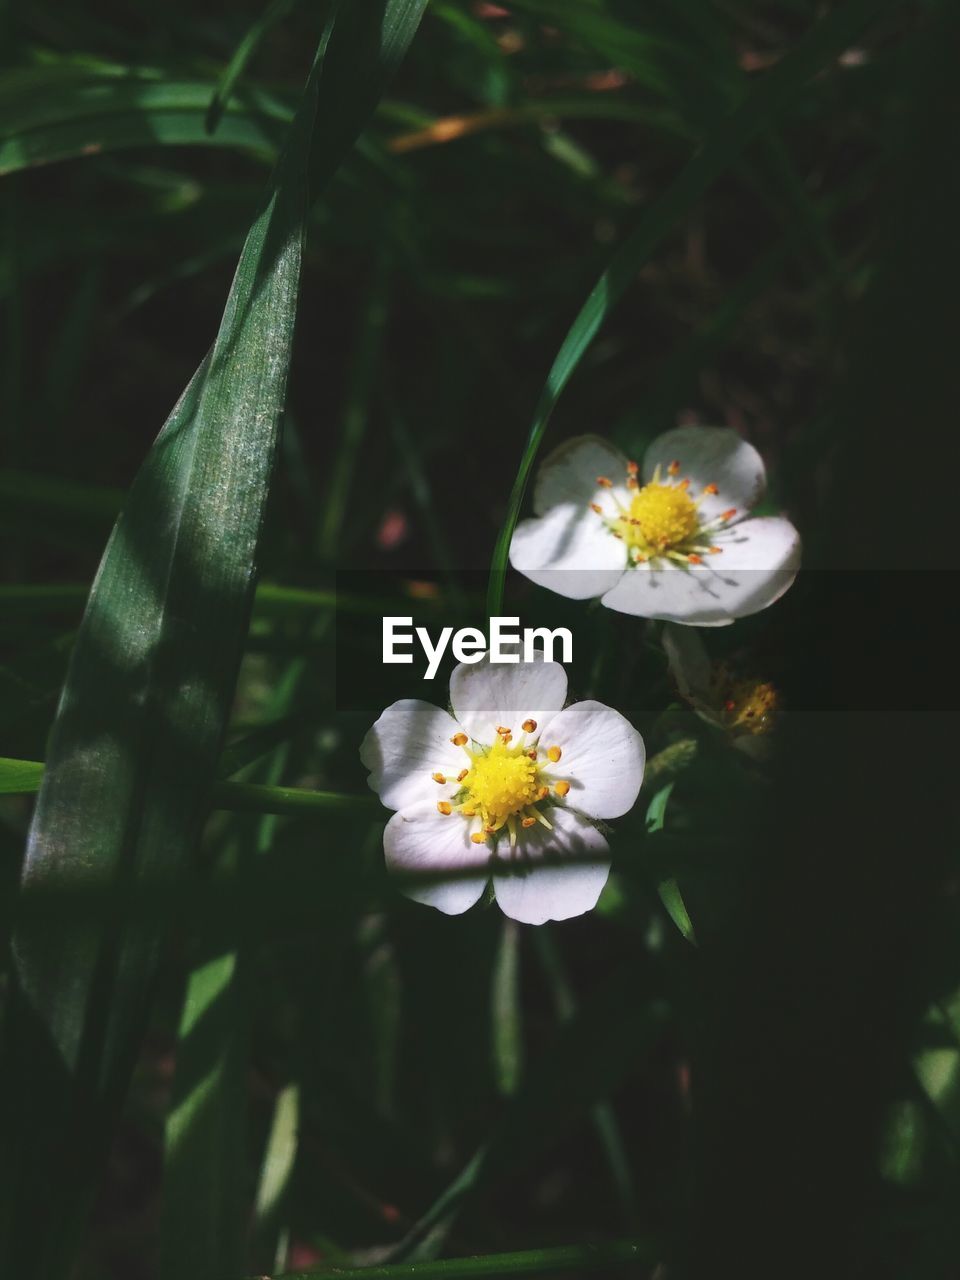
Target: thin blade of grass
244, 51
137, 736
824, 42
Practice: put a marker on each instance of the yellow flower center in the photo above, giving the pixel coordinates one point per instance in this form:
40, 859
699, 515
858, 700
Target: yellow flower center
504, 784
501, 783
751, 706
660, 515
661, 520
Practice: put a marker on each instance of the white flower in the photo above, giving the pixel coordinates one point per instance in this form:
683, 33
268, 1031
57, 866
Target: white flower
672, 541
508, 785
743, 707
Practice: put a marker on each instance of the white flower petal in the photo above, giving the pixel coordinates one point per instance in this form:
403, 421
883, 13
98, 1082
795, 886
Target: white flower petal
546, 889
570, 550
602, 757
422, 840
759, 561
487, 696
711, 455
409, 743
568, 475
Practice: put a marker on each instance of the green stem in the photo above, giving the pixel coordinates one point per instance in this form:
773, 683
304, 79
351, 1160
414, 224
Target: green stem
23, 777
589, 1257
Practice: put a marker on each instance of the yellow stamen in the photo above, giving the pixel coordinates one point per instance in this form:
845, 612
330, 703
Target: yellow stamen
438, 777
554, 754
562, 788
444, 806
479, 837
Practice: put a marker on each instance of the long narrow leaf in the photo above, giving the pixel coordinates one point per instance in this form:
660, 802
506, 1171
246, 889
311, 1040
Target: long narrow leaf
134, 748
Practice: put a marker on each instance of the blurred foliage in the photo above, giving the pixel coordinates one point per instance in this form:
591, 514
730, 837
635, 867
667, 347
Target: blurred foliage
329, 1073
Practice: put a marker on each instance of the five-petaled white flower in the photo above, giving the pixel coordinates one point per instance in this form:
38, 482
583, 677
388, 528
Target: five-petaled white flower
506, 786
670, 540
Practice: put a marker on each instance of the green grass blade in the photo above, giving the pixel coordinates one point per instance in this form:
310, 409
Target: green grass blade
584, 1258
60, 113
668, 889
142, 713
137, 736
244, 51
202, 1195
825, 41
24, 777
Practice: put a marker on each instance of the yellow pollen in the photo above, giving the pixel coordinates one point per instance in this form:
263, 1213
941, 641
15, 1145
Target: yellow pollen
444, 806
438, 777
479, 837
554, 754
562, 788
751, 706
459, 739
528, 726
661, 516
501, 783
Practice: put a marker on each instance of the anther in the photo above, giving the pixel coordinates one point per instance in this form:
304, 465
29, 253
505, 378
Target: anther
528, 726
728, 515
532, 755
693, 558
459, 739
604, 483
503, 730
479, 837
595, 506
674, 468
528, 822
684, 484
562, 788
438, 777
710, 488
632, 468
444, 806
715, 551
554, 754
462, 774
543, 793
